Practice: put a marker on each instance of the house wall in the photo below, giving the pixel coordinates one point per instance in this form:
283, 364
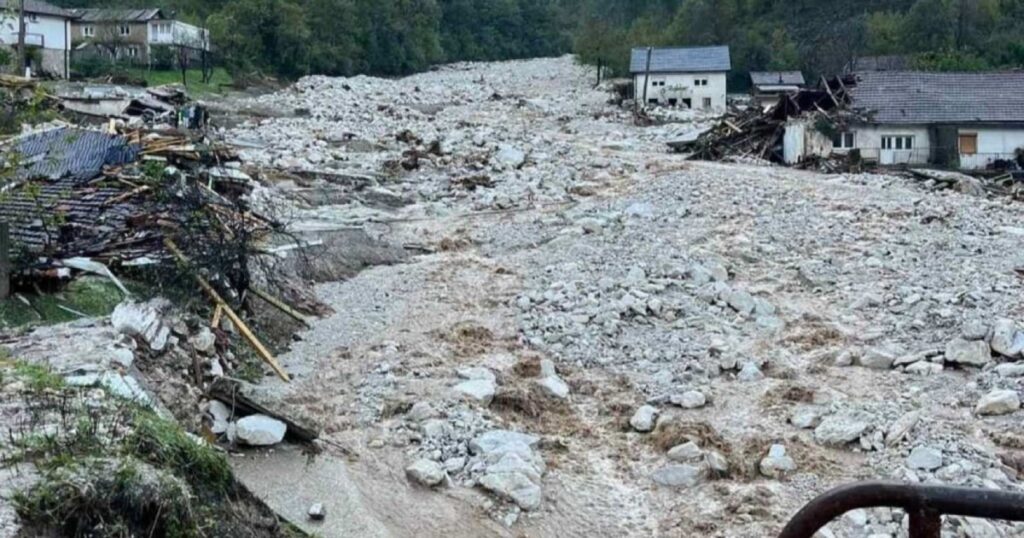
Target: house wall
108, 33
868, 139
48, 33
994, 143
682, 86
802, 140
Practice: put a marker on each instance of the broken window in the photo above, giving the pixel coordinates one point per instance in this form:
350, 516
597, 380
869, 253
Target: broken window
969, 144
843, 140
672, 101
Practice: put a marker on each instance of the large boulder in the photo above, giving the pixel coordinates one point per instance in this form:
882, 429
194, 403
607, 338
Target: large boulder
260, 430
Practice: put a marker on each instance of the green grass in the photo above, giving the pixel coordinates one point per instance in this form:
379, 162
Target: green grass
194, 77
92, 296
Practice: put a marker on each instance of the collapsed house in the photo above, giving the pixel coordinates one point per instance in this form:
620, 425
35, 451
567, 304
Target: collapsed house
970, 121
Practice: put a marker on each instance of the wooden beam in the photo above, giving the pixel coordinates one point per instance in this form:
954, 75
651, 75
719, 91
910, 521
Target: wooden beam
229, 312
280, 305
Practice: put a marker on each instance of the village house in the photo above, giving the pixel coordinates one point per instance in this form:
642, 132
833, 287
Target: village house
766, 86
956, 120
47, 36
134, 34
686, 77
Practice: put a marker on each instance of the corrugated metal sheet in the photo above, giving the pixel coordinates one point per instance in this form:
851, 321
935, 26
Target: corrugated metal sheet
682, 60
70, 153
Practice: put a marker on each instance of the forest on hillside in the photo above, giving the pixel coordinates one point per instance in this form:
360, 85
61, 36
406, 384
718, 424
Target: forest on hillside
290, 38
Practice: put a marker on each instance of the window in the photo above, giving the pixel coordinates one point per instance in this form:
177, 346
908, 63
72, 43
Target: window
32, 17
125, 29
707, 103
969, 144
658, 82
89, 31
702, 82
132, 52
898, 142
652, 101
843, 141
672, 101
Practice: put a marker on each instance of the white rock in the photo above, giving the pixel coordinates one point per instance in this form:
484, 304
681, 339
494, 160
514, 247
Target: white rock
122, 357
317, 512
143, 320
750, 373
1010, 370
679, 475
924, 458
421, 411
971, 353
924, 368
777, 464
691, 399
842, 428
899, 429
1004, 332
643, 419
425, 472
260, 430
805, 417
479, 390
876, 359
477, 373
204, 341
510, 157
686, 452
554, 386
516, 487
741, 302
494, 440
998, 402
717, 463
220, 415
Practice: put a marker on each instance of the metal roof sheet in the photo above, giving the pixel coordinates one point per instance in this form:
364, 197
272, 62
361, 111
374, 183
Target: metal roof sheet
77, 154
914, 97
681, 60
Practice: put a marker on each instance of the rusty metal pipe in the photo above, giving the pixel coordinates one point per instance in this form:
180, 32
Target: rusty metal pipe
925, 504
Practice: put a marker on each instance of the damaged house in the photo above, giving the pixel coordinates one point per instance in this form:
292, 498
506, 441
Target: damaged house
688, 77
767, 86
970, 121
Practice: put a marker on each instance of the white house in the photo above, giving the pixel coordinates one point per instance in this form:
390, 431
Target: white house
965, 120
47, 35
689, 77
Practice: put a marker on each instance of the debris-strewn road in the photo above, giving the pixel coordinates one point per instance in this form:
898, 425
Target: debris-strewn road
682, 348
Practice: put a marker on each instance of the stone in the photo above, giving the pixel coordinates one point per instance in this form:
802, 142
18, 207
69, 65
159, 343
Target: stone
679, 475
805, 417
1004, 332
478, 390
750, 373
643, 419
435, 428
777, 464
974, 330
426, 472
515, 487
510, 157
924, 368
220, 415
717, 462
1010, 370
143, 320
554, 387
421, 411
924, 458
842, 428
691, 399
998, 402
741, 302
686, 452
260, 430
204, 341
968, 352
494, 440
876, 359
122, 357
477, 373
317, 512
899, 429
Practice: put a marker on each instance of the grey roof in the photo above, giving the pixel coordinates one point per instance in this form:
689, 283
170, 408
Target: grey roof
36, 6
118, 15
681, 60
913, 97
777, 78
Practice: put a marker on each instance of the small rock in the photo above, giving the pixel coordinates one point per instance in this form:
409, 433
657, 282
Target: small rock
741, 302
805, 417
971, 353
260, 430
421, 411
554, 386
510, 157
924, 368
204, 341
317, 512
898, 430
477, 373
998, 402
425, 472
876, 359
679, 475
924, 458
750, 373
974, 330
479, 390
842, 428
1010, 370
689, 400
686, 452
1004, 332
220, 415
777, 464
718, 464
643, 419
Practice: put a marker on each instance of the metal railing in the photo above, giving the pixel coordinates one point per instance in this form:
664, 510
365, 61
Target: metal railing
925, 504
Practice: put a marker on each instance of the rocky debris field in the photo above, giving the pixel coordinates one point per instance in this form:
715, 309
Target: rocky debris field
592, 336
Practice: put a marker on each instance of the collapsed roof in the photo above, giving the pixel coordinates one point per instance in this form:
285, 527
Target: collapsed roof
681, 60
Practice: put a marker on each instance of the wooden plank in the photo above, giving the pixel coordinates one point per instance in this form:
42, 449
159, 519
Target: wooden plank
280, 305
258, 346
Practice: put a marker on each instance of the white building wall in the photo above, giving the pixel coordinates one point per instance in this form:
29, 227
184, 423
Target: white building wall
682, 86
994, 143
801, 140
47, 32
868, 139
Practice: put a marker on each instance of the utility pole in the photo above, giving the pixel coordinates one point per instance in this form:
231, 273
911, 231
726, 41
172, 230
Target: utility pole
21, 37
